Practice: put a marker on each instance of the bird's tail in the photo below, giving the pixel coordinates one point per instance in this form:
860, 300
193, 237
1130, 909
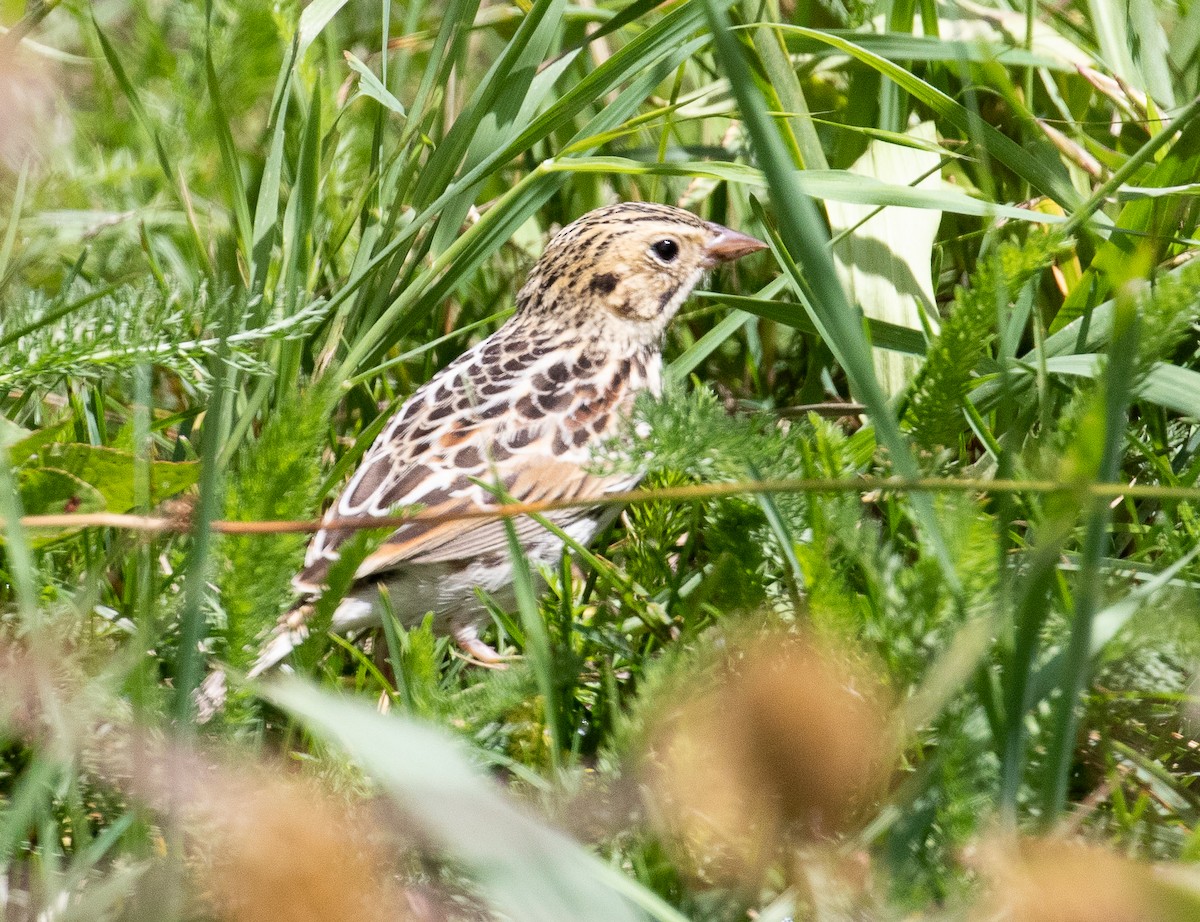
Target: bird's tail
288, 634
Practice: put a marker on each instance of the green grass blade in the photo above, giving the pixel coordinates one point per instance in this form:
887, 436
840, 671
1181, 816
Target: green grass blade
807, 240
231, 167
1078, 656
18, 557
498, 98
537, 643
884, 335
14, 219
300, 214
525, 869
313, 20
143, 118
1048, 176
266, 209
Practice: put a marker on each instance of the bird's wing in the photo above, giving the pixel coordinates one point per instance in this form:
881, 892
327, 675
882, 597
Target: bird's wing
538, 480
525, 424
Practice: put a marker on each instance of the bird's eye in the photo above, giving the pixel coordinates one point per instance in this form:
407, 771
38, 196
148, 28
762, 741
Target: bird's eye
666, 250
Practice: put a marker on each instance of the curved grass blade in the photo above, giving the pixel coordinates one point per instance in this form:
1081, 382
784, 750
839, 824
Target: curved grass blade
1042, 173
807, 241
525, 869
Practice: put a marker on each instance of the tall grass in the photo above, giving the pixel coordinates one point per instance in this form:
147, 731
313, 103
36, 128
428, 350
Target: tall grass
233, 239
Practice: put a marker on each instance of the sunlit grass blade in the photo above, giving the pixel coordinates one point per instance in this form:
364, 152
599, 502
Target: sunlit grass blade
525, 869
266, 209
499, 95
1077, 662
313, 20
493, 228
896, 46
807, 239
1036, 167
300, 214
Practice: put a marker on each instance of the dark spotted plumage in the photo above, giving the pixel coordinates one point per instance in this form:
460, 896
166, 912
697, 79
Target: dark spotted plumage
520, 411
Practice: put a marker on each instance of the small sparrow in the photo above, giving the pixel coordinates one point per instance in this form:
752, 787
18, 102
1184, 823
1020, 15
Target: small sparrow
523, 409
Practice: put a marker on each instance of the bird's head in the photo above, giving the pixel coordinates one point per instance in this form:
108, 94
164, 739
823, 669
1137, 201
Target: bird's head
635, 262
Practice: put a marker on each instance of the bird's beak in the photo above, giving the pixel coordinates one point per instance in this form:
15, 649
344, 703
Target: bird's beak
728, 245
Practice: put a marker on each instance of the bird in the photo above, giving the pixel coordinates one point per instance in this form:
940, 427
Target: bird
522, 410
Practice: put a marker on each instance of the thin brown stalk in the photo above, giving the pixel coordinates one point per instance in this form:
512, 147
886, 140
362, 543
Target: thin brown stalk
864, 485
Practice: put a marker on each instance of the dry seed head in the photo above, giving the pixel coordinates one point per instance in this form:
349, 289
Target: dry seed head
286, 850
262, 845
27, 120
1054, 880
783, 743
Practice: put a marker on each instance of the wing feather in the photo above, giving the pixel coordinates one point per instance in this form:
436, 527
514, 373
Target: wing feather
439, 542
524, 421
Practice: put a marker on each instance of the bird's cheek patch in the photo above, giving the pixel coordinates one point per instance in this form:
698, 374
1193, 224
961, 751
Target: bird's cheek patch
624, 307
602, 283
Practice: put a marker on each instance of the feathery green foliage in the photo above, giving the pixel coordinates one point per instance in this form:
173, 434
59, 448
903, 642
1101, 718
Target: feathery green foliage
277, 479
939, 391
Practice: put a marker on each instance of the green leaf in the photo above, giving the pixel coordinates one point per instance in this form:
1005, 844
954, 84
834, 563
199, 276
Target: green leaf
856, 188
1132, 193
231, 172
884, 335
884, 256
896, 46
266, 208
314, 19
111, 473
10, 432
1039, 171
1167, 385
803, 240
46, 491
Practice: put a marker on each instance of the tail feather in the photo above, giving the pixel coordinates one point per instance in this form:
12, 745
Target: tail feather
288, 634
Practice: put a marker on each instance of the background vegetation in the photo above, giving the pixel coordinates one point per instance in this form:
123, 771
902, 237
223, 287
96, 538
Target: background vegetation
234, 237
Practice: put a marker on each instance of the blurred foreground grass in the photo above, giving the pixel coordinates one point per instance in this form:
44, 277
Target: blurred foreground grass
233, 238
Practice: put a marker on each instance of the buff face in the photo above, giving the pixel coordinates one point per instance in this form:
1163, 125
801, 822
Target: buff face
637, 262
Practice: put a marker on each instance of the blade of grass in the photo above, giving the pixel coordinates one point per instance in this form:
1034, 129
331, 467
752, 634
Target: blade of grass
523, 868
18, 557
498, 96
14, 218
266, 209
537, 644
193, 626
806, 238
301, 211
1078, 656
143, 119
231, 169
1042, 174
884, 335
313, 20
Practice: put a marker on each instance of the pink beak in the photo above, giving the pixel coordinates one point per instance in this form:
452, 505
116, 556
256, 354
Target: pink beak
729, 245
